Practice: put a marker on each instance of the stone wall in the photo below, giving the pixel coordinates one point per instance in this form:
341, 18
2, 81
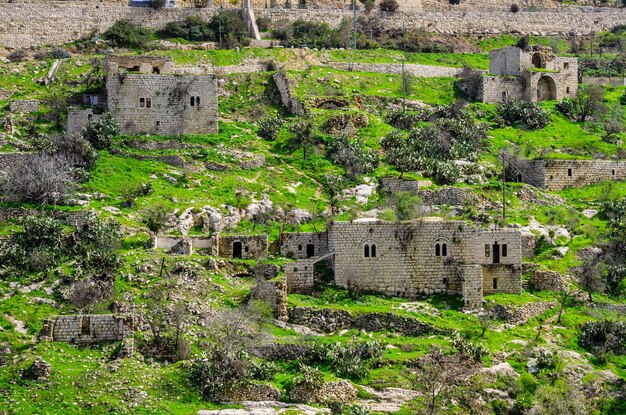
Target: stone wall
274, 293
208, 243
24, 106
419, 257
248, 246
90, 328
561, 174
447, 196
304, 244
139, 63
543, 280
4, 94
161, 104
394, 185
79, 119
73, 218
300, 276
603, 81
499, 89
54, 23
413, 69
502, 279
521, 314
287, 88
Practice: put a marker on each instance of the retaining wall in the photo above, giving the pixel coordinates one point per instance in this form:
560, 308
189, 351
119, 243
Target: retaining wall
91, 328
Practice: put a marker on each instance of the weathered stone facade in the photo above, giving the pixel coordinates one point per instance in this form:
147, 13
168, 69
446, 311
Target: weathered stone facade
89, 328
274, 293
163, 104
77, 119
304, 244
533, 74
394, 185
412, 69
423, 257
139, 63
544, 280
228, 246
287, 88
561, 174
24, 106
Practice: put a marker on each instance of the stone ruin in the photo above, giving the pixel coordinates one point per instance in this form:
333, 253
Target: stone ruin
86, 329
228, 246
531, 74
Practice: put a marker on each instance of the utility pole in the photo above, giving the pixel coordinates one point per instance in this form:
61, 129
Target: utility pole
354, 20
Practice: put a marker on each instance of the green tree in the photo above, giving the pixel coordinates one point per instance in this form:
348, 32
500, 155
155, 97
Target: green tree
100, 132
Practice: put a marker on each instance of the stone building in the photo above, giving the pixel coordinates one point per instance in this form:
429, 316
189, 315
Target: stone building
228, 246
139, 64
77, 119
426, 256
532, 74
561, 174
82, 329
163, 104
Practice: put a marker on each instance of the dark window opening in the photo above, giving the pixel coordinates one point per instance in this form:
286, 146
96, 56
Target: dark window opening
156, 70
487, 251
373, 251
89, 116
158, 123
142, 102
519, 177
197, 101
237, 249
366, 251
504, 250
135, 68
566, 66
567, 90
612, 172
496, 253
569, 172
503, 95
299, 247
310, 250
246, 249
85, 326
192, 101
437, 250
495, 283
444, 249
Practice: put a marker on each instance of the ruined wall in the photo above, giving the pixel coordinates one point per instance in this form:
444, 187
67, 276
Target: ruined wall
502, 279
300, 276
55, 23
274, 293
394, 185
543, 280
252, 246
472, 285
73, 218
506, 61
24, 106
407, 263
170, 111
197, 242
422, 71
297, 244
287, 88
494, 89
139, 63
78, 119
561, 174
447, 196
90, 328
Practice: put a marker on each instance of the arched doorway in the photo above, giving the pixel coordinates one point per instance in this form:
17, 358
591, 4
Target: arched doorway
537, 60
237, 251
546, 89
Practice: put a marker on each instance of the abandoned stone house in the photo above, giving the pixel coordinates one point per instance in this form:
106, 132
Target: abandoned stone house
227, 246
425, 256
532, 74
145, 97
561, 174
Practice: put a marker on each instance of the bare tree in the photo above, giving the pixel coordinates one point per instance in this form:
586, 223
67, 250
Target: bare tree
589, 275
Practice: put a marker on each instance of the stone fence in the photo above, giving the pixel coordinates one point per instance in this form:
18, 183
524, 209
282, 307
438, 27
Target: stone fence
84, 329
329, 320
603, 81
24, 106
73, 218
412, 69
54, 23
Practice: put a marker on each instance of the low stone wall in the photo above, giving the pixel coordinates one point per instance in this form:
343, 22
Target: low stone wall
330, 320
4, 94
254, 392
341, 391
603, 81
274, 293
412, 69
91, 328
197, 242
394, 185
287, 88
79, 119
447, 196
207, 69
521, 314
24, 106
543, 280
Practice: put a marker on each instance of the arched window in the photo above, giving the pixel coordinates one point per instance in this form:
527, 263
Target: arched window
373, 251
441, 248
437, 249
444, 249
366, 251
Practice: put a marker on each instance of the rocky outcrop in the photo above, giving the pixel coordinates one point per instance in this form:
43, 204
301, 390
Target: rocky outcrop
329, 320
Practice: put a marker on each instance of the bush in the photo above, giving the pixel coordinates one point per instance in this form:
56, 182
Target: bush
264, 23
528, 114
100, 132
193, 28
604, 336
56, 53
18, 55
155, 217
352, 156
95, 244
269, 127
125, 33
514, 8
475, 351
229, 29
406, 120
75, 150
388, 6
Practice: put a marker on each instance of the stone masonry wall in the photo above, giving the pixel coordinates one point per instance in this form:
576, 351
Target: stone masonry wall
81, 329
78, 119
252, 246
24, 106
422, 71
274, 293
170, 111
394, 185
406, 263
55, 23
495, 89
300, 276
561, 174
296, 244
73, 218
287, 88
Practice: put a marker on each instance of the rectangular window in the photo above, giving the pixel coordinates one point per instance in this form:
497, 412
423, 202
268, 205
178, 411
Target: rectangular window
487, 250
148, 102
566, 65
299, 247
504, 250
192, 101
142, 103
569, 172
495, 283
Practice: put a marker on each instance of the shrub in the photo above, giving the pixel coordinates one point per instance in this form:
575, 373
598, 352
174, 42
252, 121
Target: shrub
269, 127
55, 53
100, 132
388, 6
18, 55
95, 244
125, 33
75, 150
229, 29
604, 336
352, 156
587, 103
193, 28
405, 120
514, 8
264, 23
529, 114
155, 217
405, 205
476, 351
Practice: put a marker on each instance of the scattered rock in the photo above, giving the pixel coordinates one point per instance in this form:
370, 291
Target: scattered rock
269, 408
590, 213
39, 371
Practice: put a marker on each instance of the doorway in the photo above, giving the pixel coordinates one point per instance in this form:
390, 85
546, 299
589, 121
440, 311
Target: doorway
310, 250
237, 251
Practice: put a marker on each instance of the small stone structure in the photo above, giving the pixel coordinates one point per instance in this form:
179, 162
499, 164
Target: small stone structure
274, 293
424, 256
163, 104
394, 185
304, 244
228, 246
288, 93
78, 119
89, 328
532, 74
39, 370
24, 106
543, 280
560, 174
139, 63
